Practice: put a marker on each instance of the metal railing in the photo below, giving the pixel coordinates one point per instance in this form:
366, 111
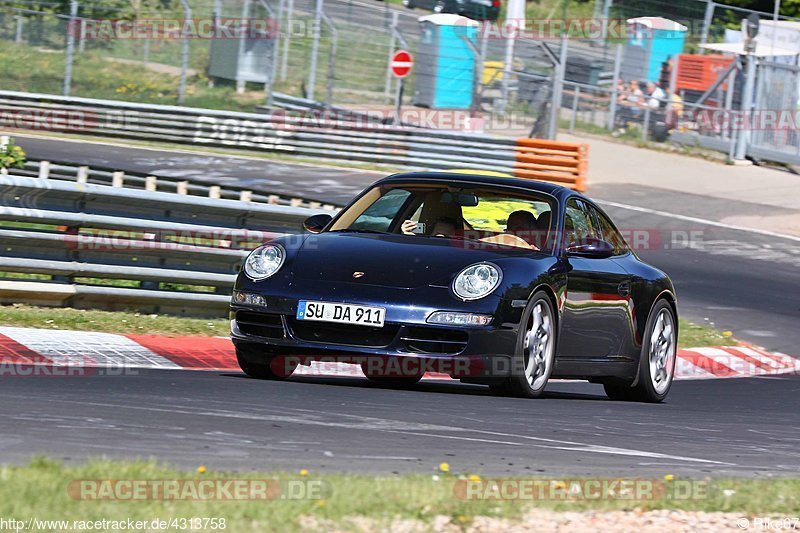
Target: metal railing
86, 245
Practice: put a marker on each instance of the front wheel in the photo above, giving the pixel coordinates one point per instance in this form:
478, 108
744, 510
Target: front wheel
254, 361
534, 359
657, 359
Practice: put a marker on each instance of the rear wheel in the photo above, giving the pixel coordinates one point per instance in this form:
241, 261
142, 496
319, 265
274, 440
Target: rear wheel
534, 359
657, 359
256, 362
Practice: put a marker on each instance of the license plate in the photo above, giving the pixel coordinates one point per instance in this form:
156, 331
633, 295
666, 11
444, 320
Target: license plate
361, 315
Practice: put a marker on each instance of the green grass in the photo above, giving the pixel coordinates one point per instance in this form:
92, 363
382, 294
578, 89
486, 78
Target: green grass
28, 316
692, 335
378, 499
27, 68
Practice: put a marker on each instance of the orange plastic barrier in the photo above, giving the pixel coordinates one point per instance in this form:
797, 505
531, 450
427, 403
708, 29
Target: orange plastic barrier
559, 162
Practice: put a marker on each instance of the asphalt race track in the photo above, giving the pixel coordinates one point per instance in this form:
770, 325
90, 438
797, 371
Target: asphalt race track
227, 421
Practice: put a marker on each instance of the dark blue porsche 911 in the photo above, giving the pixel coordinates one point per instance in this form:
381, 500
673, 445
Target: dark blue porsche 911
498, 281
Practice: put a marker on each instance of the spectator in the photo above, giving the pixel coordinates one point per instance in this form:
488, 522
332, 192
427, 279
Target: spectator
621, 96
655, 95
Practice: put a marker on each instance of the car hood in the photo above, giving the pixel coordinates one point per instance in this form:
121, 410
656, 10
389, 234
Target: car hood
399, 261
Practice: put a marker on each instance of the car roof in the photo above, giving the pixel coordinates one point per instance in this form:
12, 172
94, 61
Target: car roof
456, 178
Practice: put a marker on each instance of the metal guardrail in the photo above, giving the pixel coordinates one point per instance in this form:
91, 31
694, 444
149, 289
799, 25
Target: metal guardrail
108, 247
414, 148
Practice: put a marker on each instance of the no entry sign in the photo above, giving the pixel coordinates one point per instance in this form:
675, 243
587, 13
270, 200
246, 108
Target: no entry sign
401, 63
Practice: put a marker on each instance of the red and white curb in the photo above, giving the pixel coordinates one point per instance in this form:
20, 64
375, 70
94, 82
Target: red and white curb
58, 348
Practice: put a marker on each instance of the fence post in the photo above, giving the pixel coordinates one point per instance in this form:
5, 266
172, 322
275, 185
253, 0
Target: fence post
151, 183
707, 19
317, 29
331, 61
18, 34
575, 98
387, 89
612, 113
187, 22
82, 41
558, 88
243, 26
276, 45
646, 124
287, 39
117, 179
73, 12
747, 102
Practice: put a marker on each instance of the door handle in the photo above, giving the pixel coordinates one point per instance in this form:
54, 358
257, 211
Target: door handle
624, 289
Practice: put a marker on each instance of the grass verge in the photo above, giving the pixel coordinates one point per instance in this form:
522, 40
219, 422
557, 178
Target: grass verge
27, 316
348, 501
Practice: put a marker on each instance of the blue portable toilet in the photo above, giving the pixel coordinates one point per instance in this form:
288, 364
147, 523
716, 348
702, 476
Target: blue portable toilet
445, 62
651, 41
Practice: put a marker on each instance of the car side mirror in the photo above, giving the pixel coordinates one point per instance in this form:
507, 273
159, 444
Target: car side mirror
591, 248
316, 223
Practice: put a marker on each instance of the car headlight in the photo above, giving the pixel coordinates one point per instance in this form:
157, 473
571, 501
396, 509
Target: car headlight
477, 281
264, 261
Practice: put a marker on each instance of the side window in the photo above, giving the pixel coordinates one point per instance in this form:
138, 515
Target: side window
379, 216
610, 233
578, 226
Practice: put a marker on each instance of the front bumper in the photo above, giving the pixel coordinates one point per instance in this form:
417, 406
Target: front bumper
458, 351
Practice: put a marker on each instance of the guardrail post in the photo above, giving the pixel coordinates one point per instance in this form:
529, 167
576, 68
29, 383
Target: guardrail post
151, 183
117, 178
214, 192
314, 205
83, 175
246, 196
44, 169
182, 187
295, 202
646, 125
272, 199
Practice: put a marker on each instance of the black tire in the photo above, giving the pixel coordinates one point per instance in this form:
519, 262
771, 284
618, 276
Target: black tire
645, 389
409, 4
519, 384
394, 382
257, 362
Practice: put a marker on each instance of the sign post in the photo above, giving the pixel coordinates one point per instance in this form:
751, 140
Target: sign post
401, 64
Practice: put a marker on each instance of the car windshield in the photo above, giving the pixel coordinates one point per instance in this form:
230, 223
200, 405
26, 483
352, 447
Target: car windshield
492, 216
